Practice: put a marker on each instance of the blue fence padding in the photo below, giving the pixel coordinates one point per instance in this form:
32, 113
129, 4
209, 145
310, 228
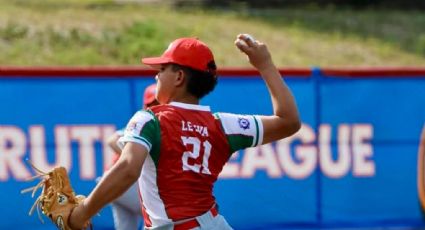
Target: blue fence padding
375, 123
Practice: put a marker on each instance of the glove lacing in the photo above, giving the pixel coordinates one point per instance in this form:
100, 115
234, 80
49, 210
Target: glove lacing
47, 198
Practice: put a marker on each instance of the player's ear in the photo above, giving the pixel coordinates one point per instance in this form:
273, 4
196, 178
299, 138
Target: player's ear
180, 78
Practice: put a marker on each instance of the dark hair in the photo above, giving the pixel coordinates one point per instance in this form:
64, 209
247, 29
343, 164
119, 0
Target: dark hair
199, 83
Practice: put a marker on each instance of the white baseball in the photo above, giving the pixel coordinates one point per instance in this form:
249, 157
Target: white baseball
249, 37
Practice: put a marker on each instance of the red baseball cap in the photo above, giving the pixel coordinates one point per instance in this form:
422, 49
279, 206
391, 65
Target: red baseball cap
189, 52
149, 95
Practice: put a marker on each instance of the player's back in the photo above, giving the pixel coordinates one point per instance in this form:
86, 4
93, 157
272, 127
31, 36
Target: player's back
193, 150
188, 147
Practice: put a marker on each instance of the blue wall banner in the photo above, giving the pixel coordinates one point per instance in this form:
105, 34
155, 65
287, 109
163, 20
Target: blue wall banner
357, 162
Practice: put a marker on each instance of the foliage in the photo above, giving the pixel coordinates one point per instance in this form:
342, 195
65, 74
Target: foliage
102, 32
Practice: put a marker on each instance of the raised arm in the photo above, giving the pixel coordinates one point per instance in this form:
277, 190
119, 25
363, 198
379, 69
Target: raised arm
285, 120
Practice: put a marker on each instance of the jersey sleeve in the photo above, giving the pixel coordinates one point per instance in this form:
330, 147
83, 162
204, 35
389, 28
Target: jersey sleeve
143, 128
242, 131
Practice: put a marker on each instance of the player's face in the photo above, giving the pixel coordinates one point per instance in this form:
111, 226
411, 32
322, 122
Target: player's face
165, 84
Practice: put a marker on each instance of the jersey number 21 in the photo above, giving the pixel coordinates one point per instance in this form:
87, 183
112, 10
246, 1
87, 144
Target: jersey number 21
194, 154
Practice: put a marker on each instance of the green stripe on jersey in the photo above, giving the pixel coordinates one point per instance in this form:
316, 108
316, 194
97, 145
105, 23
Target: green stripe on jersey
144, 141
238, 142
152, 132
257, 132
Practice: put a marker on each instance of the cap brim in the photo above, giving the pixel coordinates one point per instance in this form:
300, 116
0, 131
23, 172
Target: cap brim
154, 62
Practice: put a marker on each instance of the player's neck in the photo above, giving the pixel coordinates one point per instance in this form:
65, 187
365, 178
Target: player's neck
186, 98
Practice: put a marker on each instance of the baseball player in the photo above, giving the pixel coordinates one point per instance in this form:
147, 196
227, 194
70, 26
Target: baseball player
126, 208
177, 149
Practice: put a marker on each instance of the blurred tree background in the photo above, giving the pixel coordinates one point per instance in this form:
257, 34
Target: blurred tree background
300, 33
353, 4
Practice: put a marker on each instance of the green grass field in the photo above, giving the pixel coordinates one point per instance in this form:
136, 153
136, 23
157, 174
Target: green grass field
76, 32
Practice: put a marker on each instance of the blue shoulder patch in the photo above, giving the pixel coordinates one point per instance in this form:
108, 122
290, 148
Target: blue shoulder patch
243, 123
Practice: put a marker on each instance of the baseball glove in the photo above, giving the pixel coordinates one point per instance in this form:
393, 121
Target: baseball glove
57, 199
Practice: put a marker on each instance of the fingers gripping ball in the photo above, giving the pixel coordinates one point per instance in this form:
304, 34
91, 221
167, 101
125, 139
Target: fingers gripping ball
247, 37
57, 199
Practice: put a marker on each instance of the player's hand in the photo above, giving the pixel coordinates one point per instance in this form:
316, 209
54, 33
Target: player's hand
257, 52
77, 220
